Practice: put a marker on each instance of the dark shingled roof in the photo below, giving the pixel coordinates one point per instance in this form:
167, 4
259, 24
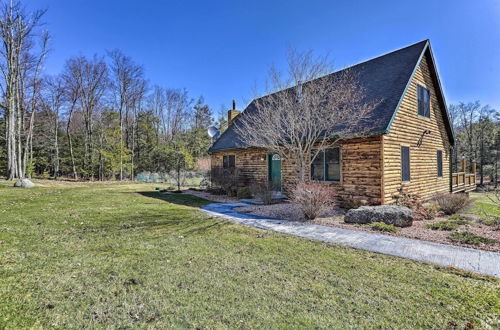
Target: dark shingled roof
384, 80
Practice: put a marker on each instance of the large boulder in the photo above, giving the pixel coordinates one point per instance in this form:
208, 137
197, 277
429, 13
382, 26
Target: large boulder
24, 183
399, 216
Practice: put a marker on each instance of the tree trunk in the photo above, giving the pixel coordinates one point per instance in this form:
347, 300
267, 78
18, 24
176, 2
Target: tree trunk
121, 138
70, 141
56, 146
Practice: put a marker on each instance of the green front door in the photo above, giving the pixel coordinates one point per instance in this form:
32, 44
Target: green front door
275, 171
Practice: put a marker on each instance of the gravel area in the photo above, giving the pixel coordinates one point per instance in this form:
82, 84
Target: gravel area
288, 211
334, 218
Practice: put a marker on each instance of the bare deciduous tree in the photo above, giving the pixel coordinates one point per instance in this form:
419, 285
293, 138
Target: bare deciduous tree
306, 112
20, 66
127, 82
87, 81
52, 102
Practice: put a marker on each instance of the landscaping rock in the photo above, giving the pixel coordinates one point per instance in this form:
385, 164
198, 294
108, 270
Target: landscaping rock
24, 183
399, 216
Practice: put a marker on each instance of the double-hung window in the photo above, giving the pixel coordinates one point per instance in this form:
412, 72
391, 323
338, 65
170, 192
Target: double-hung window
424, 104
228, 161
326, 165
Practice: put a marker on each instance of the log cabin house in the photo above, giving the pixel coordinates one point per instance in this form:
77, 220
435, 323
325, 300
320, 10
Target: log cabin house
407, 140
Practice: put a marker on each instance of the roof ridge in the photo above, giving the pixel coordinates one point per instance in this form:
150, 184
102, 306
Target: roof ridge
380, 56
345, 68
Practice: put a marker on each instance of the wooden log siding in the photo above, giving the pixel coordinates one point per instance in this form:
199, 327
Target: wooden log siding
252, 164
406, 130
360, 171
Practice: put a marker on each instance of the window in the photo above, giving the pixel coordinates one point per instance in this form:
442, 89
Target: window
440, 162
326, 165
228, 161
405, 163
424, 104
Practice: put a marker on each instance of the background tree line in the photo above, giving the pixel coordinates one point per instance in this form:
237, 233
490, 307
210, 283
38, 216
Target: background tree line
477, 133
98, 119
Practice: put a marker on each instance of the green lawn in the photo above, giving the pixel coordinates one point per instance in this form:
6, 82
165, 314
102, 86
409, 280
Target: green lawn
121, 255
483, 206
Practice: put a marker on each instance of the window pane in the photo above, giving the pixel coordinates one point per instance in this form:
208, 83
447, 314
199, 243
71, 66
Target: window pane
440, 163
332, 164
228, 161
427, 104
317, 167
405, 163
420, 101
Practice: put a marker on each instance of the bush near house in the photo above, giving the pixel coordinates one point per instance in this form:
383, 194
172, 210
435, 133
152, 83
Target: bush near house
225, 178
414, 202
262, 191
451, 203
313, 198
243, 192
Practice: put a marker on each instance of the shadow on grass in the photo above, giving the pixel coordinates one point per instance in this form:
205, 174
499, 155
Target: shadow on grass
179, 199
187, 223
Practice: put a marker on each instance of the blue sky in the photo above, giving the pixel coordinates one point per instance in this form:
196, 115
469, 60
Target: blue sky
223, 49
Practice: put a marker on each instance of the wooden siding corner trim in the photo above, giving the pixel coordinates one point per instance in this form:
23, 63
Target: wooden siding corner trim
382, 190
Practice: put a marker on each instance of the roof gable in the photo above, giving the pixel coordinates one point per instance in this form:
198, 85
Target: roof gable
384, 79
440, 94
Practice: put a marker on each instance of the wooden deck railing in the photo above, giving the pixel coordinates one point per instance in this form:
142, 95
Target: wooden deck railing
463, 181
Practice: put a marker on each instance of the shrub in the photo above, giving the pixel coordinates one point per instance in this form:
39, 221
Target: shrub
491, 221
451, 223
451, 203
243, 192
459, 219
380, 226
263, 191
231, 191
404, 198
216, 191
414, 202
313, 198
466, 237
225, 178
443, 225
204, 183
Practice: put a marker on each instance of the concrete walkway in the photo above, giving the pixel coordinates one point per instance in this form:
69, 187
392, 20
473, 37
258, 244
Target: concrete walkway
478, 261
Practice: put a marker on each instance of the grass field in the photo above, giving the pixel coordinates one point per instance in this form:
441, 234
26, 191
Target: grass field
483, 206
79, 255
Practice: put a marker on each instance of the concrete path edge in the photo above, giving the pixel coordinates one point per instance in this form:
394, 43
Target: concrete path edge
478, 261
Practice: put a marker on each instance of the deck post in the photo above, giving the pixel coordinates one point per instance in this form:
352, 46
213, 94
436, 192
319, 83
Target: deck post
463, 165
